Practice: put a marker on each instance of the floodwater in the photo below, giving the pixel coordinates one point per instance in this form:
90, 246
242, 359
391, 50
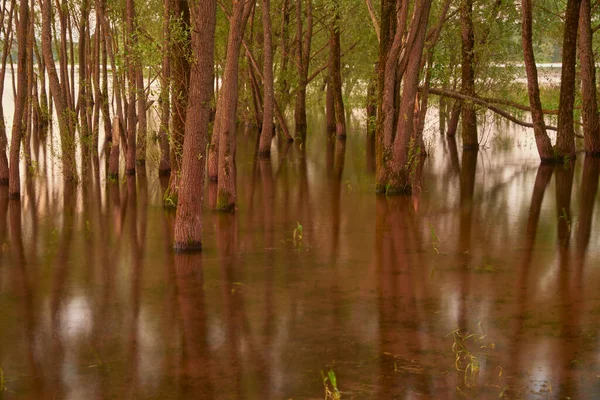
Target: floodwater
482, 284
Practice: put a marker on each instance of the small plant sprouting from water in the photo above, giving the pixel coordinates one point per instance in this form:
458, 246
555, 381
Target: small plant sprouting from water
298, 235
565, 217
2, 386
330, 384
348, 186
467, 348
465, 361
435, 241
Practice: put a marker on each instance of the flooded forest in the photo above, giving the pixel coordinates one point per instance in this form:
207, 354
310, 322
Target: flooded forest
299, 199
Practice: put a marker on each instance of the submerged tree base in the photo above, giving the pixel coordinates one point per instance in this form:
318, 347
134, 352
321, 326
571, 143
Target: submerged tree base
224, 203
187, 247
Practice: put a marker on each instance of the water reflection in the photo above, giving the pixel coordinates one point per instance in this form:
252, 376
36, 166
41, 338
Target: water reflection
94, 303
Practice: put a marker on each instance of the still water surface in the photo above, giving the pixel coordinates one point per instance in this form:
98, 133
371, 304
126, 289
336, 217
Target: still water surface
493, 259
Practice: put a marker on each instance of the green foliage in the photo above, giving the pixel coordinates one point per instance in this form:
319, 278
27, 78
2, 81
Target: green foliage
330, 384
297, 235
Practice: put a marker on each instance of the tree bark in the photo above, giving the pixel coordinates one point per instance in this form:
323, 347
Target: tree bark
226, 119
131, 64
542, 140
266, 135
591, 122
180, 76
407, 153
303, 45
164, 168
469, 116
19, 123
188, 220
565, 138
336, 73
226, 116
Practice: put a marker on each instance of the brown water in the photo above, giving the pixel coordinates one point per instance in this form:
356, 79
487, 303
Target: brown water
95, 305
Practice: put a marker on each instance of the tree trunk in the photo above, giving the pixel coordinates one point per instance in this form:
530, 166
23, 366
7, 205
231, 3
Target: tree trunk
329, 106
372, 105
266, 135
180, 76
226, 117
591, 122
336, 73
142, 134
131, 65
406, 153
542, 140
188, 220
387, 33
565, 138
225, 121
469, 116
19, 123
164, 168
303, 44
113, 166
7, 34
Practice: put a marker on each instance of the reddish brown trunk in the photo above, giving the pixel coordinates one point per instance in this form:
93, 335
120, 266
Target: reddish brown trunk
387, 33
407, 153
140, 158
542, 140
59, 95
469, 116
336, 73
303, 44
180, 75
329, 107
226, 118
19, 123
266, 135
591, 122
164, 168
565, 137
8, 35
188, 220
113, 166
131, 64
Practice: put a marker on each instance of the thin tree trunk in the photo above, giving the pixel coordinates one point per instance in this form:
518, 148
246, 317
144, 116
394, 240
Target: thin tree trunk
591, 122
266, 135
19, 124
131, 64
188, 220
336, 73
469, 116
140, 158
164, 167
565, 138
180, 79
542, 140
226, 118
303, 44
406, 153
113, 166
